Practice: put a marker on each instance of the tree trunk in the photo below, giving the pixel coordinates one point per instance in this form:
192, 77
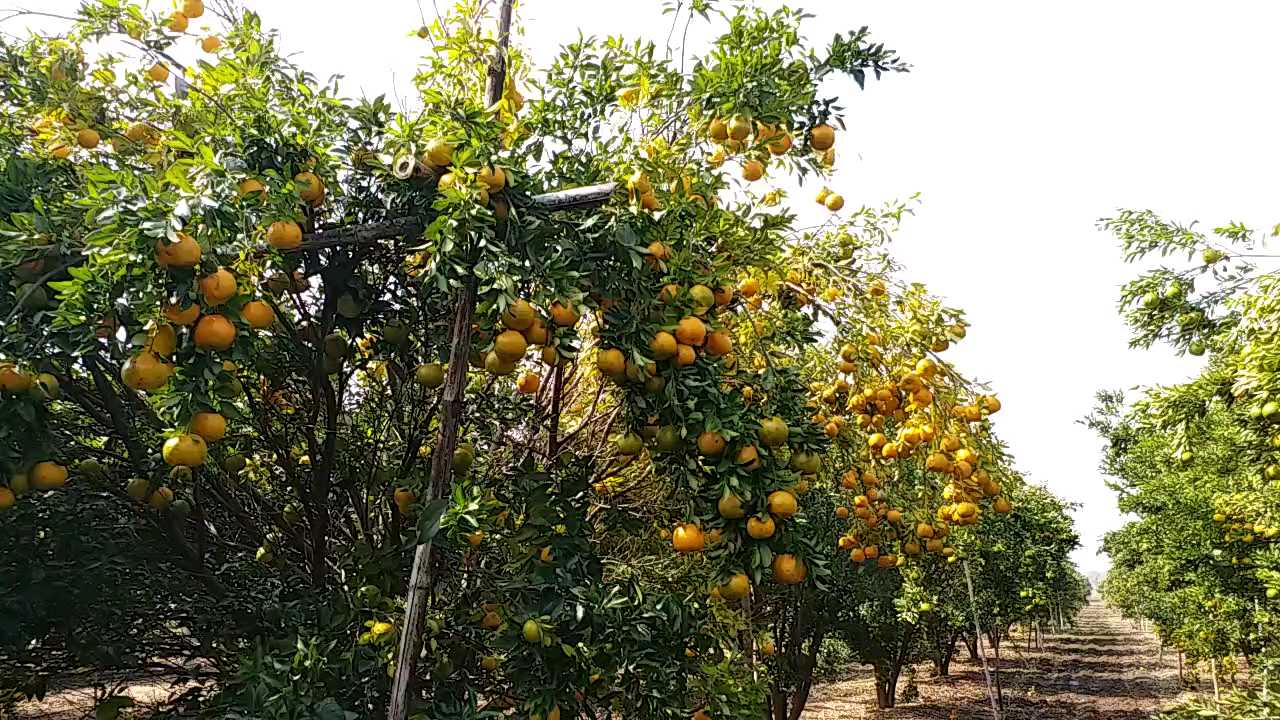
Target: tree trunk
971, 644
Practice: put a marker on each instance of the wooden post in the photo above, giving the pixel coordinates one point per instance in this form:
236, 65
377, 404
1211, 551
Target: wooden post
977, 633
442, 458
1217, 696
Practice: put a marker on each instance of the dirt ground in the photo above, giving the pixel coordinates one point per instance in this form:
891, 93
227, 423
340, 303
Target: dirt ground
1103, 669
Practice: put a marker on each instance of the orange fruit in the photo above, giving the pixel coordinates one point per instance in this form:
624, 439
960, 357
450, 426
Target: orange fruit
773, 432
493, 177
685, 356
789, 569
719, 343
193, 8
178, 22
284, 235
209, 425
181, 316
215, 332
519, 316
730, 507
310, 187
782, 503
760, 528
842, 513
752, 170
748, 456
258, 314
210, 44
245, 188
737, 587
822, 137
510, 345
537, 333
12, 380
611, 362
218, 286
563, 315
711, 443
185, 253
7, 498
529, 383
691, 331
47, 475
162, 340
88, 138
663, 345
145, 371
688, 538
158, 73
834, 202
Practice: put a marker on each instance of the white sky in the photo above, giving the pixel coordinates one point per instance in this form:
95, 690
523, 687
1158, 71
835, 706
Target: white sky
1022, 123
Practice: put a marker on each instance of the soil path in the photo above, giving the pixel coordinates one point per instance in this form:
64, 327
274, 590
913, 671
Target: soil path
1102, 669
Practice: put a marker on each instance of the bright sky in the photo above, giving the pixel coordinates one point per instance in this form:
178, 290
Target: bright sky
1021, 125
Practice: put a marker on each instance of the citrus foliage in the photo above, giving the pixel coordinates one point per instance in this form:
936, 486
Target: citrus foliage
1198, 462
697, 438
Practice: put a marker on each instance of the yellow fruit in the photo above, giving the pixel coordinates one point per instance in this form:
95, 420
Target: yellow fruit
310, 187
718, 130
178, 22
439, 153
563, 315
47, 475
284, 235
493, 177
834, 202
161, 499
510, 345
209, 425
760, 528
88, 138
662, 346
215, 332
739, 127
773, 432
688, 538
7, 498
158, 73
611, 362
703, 299
187, 450
145, 371
737, 587
218, 286
1003, 506
752, 170
532, 631
193, 8
789, 569
685, 356
181, 316
246, 187
12, 380
822, 137
782, 503
211, 43
519, 316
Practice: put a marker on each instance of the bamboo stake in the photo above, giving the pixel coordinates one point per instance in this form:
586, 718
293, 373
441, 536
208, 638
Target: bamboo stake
982, 653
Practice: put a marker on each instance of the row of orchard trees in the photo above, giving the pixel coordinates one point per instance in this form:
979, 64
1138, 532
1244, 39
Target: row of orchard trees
683, 440
1198, 462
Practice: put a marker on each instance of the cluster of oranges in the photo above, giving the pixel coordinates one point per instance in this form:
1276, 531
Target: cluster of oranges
757, 142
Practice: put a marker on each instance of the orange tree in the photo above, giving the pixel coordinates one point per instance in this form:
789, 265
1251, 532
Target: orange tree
261, 343
1197, 462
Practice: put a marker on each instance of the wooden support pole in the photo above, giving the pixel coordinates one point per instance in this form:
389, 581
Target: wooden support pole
442, 458
977, 633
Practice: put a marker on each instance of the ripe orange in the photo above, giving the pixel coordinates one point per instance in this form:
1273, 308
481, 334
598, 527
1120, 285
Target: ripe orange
218, 286
739, 127
258, 314
181, 316
1003, 506
611, 362
730, 507
659, 250
685, 356
215, 332
688, 538
493, 177
12, 380
7, 498
510, 345
834, 202
749, 457
760, 528
209, 425
193, 8
520, 316
842, 513
178, 22
310, 187
752, 170
145, 371
284, 234
719, 343
162, 340
822, 137
691, 331
158, 73
711, 443
663, 345
210, 44
405, 498
782, 503
562, 314
161, 499
187, 450
529, 383
773, 432
723, 295
439, 153
537, 333
245, 188
47, 475
185, 253
925, 531
718, 130
789, 569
